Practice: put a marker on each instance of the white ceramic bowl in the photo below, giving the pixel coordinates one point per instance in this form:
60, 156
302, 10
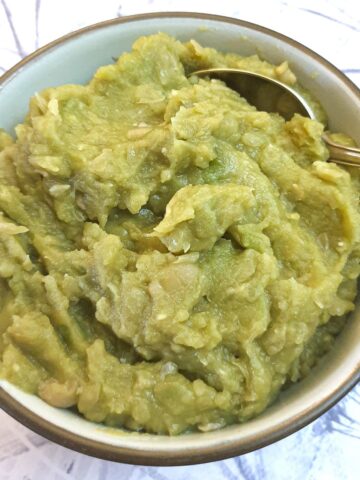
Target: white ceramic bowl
73, 59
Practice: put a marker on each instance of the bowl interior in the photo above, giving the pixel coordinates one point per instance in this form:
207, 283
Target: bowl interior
74, 60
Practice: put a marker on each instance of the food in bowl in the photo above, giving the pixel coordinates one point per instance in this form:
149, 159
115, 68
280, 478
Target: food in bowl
171, 258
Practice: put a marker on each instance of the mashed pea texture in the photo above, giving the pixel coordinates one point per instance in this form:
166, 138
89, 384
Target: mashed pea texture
170, 257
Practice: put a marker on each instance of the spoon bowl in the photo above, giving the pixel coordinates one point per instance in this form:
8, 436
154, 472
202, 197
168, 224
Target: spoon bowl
270, 95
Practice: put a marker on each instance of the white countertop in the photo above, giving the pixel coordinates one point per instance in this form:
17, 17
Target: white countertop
328, 448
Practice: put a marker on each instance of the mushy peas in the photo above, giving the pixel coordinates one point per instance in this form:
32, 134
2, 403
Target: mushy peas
170, 257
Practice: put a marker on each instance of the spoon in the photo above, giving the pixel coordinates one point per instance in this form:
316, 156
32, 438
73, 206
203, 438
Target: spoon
270, 95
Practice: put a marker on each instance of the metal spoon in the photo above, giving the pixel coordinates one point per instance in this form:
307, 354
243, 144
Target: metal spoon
270, 95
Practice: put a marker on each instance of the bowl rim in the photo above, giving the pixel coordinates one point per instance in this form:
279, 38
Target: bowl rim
205, 453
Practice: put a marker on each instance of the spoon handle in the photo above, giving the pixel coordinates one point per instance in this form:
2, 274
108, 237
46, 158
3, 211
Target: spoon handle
341, 154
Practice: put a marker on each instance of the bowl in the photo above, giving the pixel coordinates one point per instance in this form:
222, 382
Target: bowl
73, 59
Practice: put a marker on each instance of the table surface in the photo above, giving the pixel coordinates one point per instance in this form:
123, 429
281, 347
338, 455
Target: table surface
326, 449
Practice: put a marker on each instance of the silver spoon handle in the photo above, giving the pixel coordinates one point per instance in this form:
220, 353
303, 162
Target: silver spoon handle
341, 154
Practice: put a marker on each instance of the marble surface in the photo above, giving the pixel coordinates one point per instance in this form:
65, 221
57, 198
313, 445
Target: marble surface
325, 450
